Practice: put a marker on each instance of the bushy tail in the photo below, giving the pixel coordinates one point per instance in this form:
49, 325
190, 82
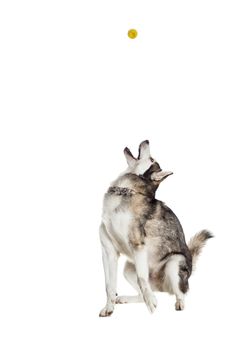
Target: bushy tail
196, 244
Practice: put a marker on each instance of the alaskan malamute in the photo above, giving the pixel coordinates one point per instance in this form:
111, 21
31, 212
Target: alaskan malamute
144, 229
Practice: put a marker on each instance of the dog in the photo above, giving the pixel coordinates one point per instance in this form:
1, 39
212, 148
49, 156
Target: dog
148, 233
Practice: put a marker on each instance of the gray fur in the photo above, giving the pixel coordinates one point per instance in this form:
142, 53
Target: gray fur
151, 224
197, 242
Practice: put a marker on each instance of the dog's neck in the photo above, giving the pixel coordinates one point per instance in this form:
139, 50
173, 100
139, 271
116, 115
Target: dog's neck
123, 191
131, 184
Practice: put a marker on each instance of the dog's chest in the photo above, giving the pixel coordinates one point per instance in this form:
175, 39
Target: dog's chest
118, 221
121, 222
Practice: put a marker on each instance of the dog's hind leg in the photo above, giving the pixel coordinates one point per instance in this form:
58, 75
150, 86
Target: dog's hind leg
175, 282
131, 276
110, 261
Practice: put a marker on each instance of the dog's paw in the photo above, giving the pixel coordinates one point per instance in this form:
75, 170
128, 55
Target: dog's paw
106, 311
122, 299
150, 301
179, 305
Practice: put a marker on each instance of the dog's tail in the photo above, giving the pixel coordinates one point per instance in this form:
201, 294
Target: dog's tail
196, 244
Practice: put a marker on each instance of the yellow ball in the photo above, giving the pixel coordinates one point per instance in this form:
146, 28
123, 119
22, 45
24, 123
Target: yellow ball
132, 33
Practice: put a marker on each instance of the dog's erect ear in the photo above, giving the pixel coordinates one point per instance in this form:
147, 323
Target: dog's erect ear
144, 150
160, 176
129, 157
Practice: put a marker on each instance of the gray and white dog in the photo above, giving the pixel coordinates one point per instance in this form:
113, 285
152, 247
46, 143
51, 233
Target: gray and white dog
144, 229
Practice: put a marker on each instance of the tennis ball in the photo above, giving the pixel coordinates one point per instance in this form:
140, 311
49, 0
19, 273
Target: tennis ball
132, 33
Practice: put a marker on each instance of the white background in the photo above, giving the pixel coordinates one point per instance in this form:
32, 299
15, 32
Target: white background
75, 90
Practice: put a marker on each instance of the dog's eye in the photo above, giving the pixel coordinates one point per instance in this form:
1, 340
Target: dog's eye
184, 271
152, 160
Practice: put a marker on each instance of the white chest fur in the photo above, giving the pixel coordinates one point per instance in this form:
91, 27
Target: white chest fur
117, 221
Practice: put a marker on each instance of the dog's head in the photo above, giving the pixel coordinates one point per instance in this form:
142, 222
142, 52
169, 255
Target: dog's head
144, 165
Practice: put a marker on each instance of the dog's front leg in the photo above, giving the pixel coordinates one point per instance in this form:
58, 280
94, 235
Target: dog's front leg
110, 262
142, 270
